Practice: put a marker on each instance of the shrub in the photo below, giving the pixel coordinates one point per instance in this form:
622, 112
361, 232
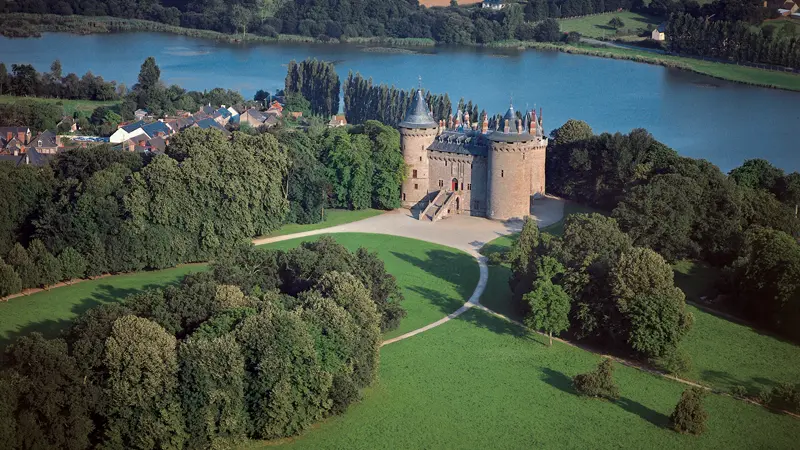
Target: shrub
599, 383
674, 361
739, 391
785, 396
496, 258
689, 415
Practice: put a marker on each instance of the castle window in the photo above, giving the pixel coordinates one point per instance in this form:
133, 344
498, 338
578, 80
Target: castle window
469, 186
404, 196
420, 158
416, 186
414, 173
445, 163
462, 185
441, 183
502, 173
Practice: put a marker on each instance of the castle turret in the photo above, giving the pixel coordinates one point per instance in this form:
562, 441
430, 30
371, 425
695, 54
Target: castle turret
509, 173
417, 132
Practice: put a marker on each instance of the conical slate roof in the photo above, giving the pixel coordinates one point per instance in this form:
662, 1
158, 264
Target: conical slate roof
418, 115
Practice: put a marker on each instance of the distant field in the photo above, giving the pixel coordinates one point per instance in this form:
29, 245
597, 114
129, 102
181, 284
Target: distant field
597, 26
777, 24
70, 106
430, 3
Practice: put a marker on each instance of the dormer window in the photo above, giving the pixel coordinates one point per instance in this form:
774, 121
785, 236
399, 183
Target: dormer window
40, 143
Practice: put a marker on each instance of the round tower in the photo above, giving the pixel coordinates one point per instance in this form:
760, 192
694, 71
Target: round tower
538, 155
417, 132
509, 171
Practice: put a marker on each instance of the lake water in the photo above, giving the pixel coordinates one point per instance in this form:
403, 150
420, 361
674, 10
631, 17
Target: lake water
698, 116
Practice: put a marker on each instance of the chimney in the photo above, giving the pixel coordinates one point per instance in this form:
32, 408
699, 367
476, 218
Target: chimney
466, 120
458, 119
450, 122
506, 126
485, 125
519, 126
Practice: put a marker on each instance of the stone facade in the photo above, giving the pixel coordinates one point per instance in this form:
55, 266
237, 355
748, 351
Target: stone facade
492, 173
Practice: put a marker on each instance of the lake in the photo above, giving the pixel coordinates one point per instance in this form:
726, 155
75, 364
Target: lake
699, 116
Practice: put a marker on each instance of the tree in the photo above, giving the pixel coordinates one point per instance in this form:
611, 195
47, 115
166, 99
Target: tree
24, 80
10, 282
23, 265
548, 30
212, 392
240, 17
261, 96
54, 410
644, 291
141, 389
599, 383
5, 87
616, 23
149, 75
549, 308
757, 174
689, 415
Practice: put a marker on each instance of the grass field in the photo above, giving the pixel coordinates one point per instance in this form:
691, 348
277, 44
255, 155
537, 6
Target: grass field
333, 217
436, 281
70, 106
597, 26
777, 24
479, 382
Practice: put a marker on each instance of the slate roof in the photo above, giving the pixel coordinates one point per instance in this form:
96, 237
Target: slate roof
224, 112
48, 139
255, 114
152, 129
514, 133
10, 159
157, 144
206, 124
469, 143
184, 122
418, 115
34, 158
271, 120
208, 109
133, 126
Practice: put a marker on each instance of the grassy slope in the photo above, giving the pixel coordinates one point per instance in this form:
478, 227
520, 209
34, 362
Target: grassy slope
333, 217
597, 26
478, 382
70, 106
436, 281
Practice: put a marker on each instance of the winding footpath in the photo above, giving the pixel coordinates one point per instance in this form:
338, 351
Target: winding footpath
460, 232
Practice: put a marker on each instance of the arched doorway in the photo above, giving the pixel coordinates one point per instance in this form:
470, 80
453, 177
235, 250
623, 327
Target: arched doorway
454, 185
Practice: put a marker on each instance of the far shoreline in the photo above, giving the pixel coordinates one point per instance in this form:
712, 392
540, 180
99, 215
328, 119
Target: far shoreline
84, 25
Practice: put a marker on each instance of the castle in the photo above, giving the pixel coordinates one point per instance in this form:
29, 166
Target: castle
463, 167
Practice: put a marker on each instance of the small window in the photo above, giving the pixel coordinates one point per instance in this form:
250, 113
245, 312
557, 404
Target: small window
404, 196
420, 158
462, 185
469, 186
414, 173
445, 163
502, 173
416, 186
441, 183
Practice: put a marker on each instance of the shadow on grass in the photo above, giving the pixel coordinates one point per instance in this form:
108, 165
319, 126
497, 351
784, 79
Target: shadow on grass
54, 328
753, 386
564, 384
448, 267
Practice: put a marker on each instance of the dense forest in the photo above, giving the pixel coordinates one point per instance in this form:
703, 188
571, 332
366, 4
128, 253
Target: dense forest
262, 346
745, 222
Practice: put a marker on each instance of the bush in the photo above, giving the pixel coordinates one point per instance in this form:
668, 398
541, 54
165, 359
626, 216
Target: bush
739, 391
599, 383
689, 415
496, 258
675, 361
786, 397
573, 37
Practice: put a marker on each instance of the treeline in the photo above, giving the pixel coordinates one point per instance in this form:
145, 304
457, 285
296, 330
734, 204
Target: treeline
732, 41
125, 212
751, 11
687, 208
25, 81
536, 10
363, 101
39, 116
325, 21
262, 346
318, 82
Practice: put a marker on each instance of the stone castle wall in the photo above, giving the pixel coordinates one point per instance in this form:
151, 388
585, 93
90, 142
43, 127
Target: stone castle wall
536, 157
509, 174
470, 174
414, 143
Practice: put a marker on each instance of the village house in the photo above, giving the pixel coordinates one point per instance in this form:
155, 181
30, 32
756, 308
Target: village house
46, 143
252, 117
788, 8
493, 4
659, 34
126, 132
210, 123
338, 120
22, 134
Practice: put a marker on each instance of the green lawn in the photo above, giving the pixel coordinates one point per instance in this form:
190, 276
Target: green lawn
333, 217
479, 382
49, 312
597, 26
70, 106
436, 281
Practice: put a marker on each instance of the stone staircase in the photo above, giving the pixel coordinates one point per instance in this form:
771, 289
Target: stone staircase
429, 212
446, 205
